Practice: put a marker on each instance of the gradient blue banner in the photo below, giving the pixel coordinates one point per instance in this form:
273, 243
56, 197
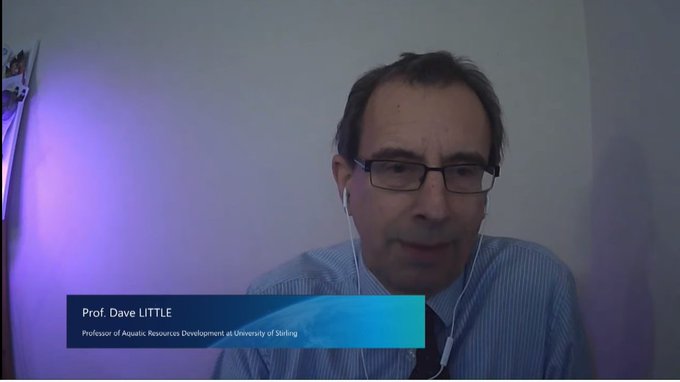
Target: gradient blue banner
201, 321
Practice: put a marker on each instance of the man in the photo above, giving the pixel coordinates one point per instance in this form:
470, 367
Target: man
419, 148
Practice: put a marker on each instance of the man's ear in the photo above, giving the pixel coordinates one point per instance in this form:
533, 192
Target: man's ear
342, 173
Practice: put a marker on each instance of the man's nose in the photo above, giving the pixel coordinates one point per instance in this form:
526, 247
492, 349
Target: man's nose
432, 202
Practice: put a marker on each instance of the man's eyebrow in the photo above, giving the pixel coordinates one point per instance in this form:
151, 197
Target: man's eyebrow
396, 153
472, 157
399, 153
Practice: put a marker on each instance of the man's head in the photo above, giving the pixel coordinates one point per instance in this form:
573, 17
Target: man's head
433, 109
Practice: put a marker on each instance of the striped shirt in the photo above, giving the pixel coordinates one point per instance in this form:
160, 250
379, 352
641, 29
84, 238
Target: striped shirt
518, 319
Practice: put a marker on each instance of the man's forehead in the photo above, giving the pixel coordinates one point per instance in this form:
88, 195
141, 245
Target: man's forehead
400, 99
434, 123
430, 141
400, 107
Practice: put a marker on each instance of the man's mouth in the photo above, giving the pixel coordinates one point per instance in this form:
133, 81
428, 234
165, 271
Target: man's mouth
426, 252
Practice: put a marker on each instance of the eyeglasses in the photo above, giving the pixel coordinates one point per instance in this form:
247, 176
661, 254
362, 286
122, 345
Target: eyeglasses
407, 176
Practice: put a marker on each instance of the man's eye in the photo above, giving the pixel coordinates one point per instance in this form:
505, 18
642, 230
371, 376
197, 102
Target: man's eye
396, 168
466, 171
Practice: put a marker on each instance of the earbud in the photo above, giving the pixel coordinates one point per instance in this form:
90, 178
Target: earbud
345, 196
345, 202
486, 205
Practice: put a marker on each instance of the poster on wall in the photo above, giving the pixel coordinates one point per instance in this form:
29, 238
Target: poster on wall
17, 66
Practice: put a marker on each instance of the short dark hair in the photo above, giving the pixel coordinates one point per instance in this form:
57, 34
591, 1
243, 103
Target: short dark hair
430, 69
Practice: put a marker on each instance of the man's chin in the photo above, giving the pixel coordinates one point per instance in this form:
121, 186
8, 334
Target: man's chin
421, 283
418, 290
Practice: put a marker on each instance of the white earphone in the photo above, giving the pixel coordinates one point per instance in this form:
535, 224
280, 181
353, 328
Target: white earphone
443, 362
449, 340
345, 202
344, 198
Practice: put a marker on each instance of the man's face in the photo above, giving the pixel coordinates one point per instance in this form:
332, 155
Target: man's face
417, 242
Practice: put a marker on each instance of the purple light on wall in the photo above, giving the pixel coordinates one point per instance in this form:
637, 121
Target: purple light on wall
115, 197
619, 313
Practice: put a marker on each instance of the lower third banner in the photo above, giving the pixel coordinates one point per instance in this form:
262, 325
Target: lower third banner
255, 321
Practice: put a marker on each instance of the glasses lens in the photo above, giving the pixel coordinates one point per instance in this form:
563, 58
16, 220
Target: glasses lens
396, 175
468, 178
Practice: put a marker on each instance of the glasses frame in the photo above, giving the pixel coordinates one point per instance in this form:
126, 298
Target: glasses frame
366, 166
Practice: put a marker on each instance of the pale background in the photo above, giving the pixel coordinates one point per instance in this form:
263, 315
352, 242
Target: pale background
184, 147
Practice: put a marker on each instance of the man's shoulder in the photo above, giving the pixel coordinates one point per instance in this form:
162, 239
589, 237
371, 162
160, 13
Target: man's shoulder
319, 271
524, 258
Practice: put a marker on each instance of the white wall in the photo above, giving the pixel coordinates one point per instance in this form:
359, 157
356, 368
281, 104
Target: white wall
635, 291
184, 146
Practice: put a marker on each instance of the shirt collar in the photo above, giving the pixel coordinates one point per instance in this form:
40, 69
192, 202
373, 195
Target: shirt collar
442, 303
369, 283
